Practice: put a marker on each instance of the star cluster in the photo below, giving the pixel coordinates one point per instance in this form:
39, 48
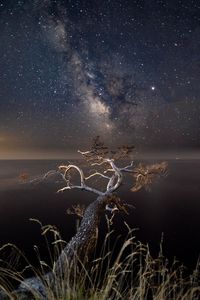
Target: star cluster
127, 70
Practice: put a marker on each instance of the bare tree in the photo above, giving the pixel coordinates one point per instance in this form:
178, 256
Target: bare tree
100, 156
106, 166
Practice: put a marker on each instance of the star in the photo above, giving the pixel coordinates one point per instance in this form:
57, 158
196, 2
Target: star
113, 74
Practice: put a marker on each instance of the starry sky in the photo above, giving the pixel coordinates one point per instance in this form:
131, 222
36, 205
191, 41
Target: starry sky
127, 70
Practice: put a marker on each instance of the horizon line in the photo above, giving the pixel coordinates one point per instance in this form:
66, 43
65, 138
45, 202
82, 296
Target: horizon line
190, 154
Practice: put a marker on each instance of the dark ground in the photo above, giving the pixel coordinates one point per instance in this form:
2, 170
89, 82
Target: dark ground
172, 207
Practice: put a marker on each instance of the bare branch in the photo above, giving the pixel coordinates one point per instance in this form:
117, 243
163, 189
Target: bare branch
108, 170
97, 156
84, 152
44, 177
111, 182
126, 169
114, 181
69, 188
100, 163
117, 177
66, 169
82, 185
97, 174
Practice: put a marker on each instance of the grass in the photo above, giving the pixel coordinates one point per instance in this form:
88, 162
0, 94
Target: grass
125, 272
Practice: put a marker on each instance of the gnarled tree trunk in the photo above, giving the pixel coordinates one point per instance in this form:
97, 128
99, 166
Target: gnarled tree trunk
83, 243
79, 248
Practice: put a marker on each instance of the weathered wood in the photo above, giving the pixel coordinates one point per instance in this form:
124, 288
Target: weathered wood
83, 243
79, 248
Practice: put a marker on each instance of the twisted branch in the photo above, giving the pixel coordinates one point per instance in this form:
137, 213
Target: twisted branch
82, 185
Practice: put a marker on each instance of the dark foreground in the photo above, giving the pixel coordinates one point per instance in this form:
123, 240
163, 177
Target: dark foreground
172, 207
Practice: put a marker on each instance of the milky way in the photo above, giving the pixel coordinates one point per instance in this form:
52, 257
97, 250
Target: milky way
126, 70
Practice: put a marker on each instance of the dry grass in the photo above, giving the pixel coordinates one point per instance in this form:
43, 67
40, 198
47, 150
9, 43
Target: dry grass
132, 273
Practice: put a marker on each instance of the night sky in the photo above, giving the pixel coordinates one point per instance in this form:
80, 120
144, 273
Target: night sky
128, 70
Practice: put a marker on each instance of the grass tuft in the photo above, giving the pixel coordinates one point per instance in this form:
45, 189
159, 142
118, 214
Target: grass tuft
127, 273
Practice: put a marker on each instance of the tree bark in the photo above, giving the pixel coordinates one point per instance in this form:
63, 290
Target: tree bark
79, 248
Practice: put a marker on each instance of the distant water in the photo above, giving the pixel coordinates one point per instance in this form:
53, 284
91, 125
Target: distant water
172, 207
